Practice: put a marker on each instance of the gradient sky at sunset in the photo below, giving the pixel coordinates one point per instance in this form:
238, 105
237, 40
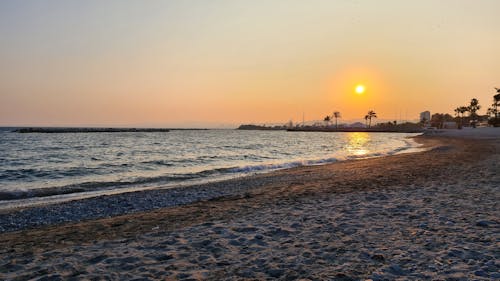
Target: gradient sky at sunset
219, 63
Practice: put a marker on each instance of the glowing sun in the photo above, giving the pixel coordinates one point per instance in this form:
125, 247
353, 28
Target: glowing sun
360, 89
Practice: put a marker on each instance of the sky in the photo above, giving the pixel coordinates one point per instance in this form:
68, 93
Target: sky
222, 63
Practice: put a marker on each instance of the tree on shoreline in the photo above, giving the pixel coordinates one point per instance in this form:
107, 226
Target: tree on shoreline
337, 115
493, 110
368, 117
327, 120
459, 111
438, 119
473, 108
496, 103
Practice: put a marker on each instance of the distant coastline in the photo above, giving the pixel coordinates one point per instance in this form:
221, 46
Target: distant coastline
373, 130
87, 130
262, 128
53, 130
385, 129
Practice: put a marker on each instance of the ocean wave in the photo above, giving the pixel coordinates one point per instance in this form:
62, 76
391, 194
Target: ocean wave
164, 166
106, 185
176, 178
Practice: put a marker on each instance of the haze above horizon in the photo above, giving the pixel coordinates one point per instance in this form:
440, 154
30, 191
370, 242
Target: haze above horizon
223, 63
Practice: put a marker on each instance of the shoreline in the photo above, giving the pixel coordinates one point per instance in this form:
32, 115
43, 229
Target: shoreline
18, 216
375, 218
17, 200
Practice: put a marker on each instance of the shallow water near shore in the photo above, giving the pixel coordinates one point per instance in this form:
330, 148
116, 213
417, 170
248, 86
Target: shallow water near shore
73, 165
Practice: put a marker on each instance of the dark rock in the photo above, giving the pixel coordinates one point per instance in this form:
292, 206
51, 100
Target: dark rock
183, 275
484, 223
275, 273
343, 277
10, 267
223, 263
309, 261
164, 257
279, 232
307, 254
455, 253
245, 229
235, 243
291, 275
395, 269
51, 278
259, 242
203, 243
495, 275
329, 257
349, 231
97, 259
246, 273
203, 257
378, 257
127, 267
378, 277
480, 273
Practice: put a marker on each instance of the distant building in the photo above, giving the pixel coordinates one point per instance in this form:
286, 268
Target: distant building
425, 116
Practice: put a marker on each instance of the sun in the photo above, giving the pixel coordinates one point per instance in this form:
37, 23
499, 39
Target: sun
360, 89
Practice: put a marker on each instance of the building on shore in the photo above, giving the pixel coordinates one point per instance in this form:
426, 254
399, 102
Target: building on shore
425, 117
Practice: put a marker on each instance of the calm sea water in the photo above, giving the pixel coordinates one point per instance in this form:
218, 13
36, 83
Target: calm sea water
87, 164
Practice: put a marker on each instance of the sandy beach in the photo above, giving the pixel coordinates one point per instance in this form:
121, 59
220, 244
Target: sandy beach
430, 215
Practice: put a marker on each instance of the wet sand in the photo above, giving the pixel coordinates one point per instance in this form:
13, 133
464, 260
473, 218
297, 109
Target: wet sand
422, 216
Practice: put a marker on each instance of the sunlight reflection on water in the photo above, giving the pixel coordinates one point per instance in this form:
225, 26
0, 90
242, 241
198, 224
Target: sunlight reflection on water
357, 143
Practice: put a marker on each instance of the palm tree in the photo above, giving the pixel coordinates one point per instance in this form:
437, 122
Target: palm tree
336, 114
457, 111
327, 120
460, 114
473, 108
493, 110
496, 102
463, 109
371, 114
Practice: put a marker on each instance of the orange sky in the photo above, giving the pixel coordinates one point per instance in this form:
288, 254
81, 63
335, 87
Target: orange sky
222, 63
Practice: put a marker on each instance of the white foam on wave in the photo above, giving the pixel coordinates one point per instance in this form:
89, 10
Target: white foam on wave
280, 166
409, 146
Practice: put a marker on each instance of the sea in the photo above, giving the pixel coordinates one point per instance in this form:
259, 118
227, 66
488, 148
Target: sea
48, 167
